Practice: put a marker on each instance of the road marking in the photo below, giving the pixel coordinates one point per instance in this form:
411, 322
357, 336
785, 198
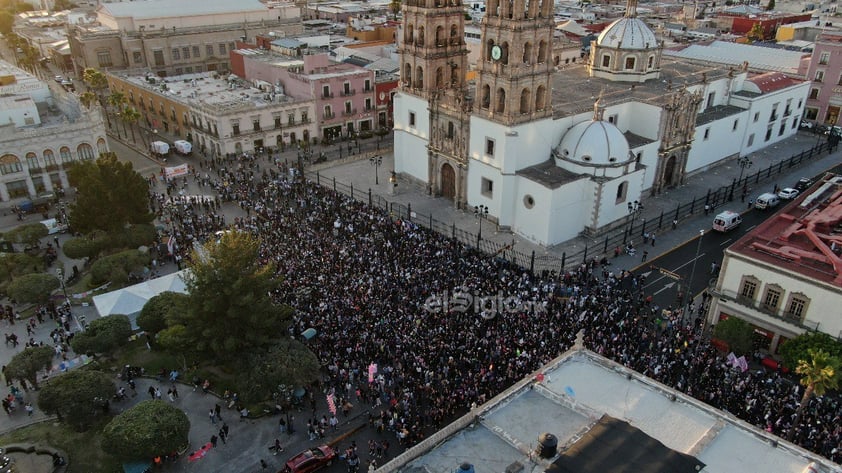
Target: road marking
750, 228
674, 270
666, 286
725, 242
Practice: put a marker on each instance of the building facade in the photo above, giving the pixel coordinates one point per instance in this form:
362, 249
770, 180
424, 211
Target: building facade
43, 131
825, 74
174, 37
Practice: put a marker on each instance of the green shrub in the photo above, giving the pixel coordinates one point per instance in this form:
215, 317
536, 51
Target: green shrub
116, 267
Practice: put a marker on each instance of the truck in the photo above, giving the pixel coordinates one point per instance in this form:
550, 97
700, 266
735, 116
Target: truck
183, 147
159, 148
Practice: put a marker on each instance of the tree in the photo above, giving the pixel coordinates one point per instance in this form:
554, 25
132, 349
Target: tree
97, 83
18, 264
737, 333
819, 372
149, 429
756, 33
89, 246
771, 5
33, 288
155, 313
117, 267
88, 98
26, 364
60, 5
131, 116
103, 335
117, 100
230, 310
395, 7
288, 362
107, 187
75, 396
799, 347
7, 20
30, 234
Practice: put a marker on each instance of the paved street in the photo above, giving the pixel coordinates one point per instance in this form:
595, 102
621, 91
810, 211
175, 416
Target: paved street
250, 440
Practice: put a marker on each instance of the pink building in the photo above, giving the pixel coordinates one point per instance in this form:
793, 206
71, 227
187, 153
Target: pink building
825, 72
343, 93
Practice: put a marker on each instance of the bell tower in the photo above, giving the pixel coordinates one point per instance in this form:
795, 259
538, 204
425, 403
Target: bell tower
515, 65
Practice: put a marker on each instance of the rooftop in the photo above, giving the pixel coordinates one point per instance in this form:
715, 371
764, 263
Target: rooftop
804, 236
143, 9
723, 52
549, 175
575, 398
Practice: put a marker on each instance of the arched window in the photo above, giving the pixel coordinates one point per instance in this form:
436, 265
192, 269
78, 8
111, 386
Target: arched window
489, 45
65, 154
527, 53
439, 77
440, 39
32, 161
540, 98
101, 146
501, 100
450, 129
454, 34
486, 96
407, 74
420, 36
524, 101
630, 63
85, 151
651, 62
454, 74
410, 34
419, 77
542, 52
622, 189
49, 157
504, 58
9, 164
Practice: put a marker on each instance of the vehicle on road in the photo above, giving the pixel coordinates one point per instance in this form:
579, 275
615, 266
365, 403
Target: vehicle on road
803, 184
310, 460
727, 220
788, 193
766, 201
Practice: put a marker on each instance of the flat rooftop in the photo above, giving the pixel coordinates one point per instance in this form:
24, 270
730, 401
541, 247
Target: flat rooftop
805, 237
723, 52
578, 390
143, 9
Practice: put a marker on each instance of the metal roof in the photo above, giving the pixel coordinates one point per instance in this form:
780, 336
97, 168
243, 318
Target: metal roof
176, 8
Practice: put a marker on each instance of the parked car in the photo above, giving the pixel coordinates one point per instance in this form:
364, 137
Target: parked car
803, 184
59, 79
788, 193
766, 201
310, 460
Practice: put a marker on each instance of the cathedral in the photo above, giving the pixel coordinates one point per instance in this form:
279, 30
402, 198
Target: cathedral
555, 153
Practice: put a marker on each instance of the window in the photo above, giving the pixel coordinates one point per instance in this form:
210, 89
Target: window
711, 98
819, 76
235, 129
756, 116
772, 298
188, 70
606, 60
185, 52
810, 113
137, 57
412, 119
768, 133
748, 289
489, 147
528, 201
9, 164
179, 71
368, 104
814, 93
782, 129
196, 51
367, 86
824, 58
346, 88
734, 127
176, 54
104, 58
304, 118
612, 119
487, 187
255, 123
208, 50
277, 121
85, 151
629, 63
64, 152
325, 91
622, 190
797, 306
750, 140
774, 115
32, 161
49, 157
158, 55
222, 51
329, 112
291, 118
348, 107
707, 133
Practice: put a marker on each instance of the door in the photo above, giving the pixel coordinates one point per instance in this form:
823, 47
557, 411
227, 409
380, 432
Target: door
448, 181
669, 172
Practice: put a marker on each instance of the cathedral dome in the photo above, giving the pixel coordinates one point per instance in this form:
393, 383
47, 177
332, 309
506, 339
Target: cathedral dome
628, 33
594, 143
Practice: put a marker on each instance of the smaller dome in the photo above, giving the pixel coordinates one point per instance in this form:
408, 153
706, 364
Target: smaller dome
594, 143
628, 33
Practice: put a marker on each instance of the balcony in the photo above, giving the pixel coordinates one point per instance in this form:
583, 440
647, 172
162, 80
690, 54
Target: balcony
329, 115
348, 93
368, 89
773, 117
327, 95
34, 171
349, 112
368, 108
776, 313
787, 112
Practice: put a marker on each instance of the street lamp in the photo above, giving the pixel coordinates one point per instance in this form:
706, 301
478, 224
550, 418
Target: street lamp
634, 210
744, 162
376, 161
480, 212
693, 269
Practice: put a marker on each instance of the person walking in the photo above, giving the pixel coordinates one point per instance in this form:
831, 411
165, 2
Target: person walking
222, 436
277, 447
212, 416
213, 440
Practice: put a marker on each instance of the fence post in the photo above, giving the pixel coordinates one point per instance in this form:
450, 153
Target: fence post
431, 220
532, 263
661, 218
707, 197
643, 228
334, 184
409, 211
677, 208
369, 196
453, 230
563, 260
585, 257
318, 179
352, 191
731, 192
605, 246
693, 206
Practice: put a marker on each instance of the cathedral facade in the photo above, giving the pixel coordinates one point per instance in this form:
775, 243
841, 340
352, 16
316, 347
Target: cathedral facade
553, 154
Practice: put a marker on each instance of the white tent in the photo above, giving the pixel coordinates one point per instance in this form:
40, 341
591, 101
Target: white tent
130, 300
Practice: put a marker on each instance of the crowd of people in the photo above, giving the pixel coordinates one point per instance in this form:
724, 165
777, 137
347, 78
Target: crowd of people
364, 280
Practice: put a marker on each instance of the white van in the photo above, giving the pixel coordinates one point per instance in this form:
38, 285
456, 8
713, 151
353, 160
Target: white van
726, 221
766, 201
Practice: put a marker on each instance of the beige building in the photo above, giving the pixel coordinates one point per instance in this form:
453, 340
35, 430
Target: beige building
174, 37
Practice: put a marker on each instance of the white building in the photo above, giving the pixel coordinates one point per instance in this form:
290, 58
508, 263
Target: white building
554, 154
42, 131
785, 276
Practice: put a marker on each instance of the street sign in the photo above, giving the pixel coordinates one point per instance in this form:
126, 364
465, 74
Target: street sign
669, 274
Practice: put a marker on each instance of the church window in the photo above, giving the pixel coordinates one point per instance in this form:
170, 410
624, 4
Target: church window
450, 130
528, 201
501, 100
440, 39
454, 34
540, 97
487, 187
606, 60
407, 74
707, 133
439, 77
419, 77
524, 101
410, 34
734, 127
651, 62
527, 53
750, 140
505, 56
768, 133
622, 190
486, 96
420, 36
542, 52
412, 119
630, 63
489, 147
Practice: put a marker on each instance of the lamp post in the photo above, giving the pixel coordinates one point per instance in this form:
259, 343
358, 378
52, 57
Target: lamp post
634, 210
480, 212
376, 161
744, 162
693, 270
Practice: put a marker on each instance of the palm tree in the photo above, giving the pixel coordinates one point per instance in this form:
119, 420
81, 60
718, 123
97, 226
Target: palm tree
818, 374
131, 116
117, 100
88, 99
97, 82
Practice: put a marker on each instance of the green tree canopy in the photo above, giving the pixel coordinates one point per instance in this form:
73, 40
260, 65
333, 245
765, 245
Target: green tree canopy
7, 20
819, 372
107, 187
30, 233
149, 429
26, 364
103, 335
17, 264
155, 313
792, 351
230, 310
73, 396
116, 267
737, 333
288, 362
33, 288
88, 246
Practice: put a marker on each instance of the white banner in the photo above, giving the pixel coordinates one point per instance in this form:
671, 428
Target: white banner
176, 171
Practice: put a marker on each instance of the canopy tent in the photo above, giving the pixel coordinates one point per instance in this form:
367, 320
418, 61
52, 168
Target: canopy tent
130, 300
